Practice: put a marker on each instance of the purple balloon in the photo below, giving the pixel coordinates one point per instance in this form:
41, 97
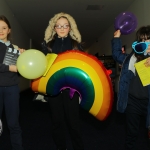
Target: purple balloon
126, 22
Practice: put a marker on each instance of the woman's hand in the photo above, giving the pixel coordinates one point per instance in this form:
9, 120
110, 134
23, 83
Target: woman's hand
147, 63
13, 68
21, 50
117, 33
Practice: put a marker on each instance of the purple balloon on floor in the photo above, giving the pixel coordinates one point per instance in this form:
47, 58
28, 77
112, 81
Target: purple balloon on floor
126, 22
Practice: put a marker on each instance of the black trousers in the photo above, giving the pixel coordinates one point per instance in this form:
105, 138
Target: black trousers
9, 99
63, 108
135, 110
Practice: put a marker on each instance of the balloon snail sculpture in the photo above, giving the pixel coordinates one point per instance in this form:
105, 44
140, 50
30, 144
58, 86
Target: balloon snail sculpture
82, 73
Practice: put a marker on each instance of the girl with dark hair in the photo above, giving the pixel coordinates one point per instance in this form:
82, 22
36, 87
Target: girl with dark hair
133, 97
9, 90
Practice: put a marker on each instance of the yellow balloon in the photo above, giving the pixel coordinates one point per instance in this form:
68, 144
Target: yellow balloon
32, 64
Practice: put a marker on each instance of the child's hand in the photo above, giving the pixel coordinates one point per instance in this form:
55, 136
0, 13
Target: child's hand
147, 63
21, 50
148, 49
117, 33
13, 68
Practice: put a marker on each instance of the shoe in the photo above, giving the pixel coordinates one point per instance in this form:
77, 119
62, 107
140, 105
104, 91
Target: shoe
1, 127
40, 97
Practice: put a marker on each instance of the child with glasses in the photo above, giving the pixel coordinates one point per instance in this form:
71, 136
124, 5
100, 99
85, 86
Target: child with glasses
61, 35
133, 97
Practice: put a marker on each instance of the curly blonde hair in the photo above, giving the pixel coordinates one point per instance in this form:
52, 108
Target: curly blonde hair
50, 32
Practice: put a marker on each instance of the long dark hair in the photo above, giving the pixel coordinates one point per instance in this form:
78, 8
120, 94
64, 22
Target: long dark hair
3, 18
142, 34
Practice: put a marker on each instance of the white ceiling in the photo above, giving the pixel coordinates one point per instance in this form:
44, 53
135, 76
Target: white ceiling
34, 15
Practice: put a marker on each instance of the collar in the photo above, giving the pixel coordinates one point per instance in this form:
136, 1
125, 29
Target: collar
131, 63
6, 43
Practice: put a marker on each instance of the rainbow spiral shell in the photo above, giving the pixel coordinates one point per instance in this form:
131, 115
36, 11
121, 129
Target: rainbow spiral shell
84, 73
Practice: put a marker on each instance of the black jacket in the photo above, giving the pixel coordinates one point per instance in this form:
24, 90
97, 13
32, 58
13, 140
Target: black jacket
59, 45
7, 78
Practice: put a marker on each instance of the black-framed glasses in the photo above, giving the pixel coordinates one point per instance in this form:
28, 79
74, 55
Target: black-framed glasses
140, 47
65, 26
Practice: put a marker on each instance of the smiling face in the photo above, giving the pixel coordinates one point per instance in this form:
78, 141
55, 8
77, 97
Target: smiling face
4, 31
62, 27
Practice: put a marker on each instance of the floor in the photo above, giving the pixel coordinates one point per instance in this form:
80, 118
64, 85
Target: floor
36, 126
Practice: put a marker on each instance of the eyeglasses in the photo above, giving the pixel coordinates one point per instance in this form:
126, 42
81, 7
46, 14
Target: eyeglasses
140, 47
65, 26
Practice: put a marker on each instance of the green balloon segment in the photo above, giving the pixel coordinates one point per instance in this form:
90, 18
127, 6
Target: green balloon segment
75, 78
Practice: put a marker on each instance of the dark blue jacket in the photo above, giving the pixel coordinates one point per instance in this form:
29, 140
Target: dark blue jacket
125, 77
7, 78
59, 45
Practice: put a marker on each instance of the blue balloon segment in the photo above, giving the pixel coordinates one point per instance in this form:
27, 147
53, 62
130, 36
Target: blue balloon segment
75, 78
